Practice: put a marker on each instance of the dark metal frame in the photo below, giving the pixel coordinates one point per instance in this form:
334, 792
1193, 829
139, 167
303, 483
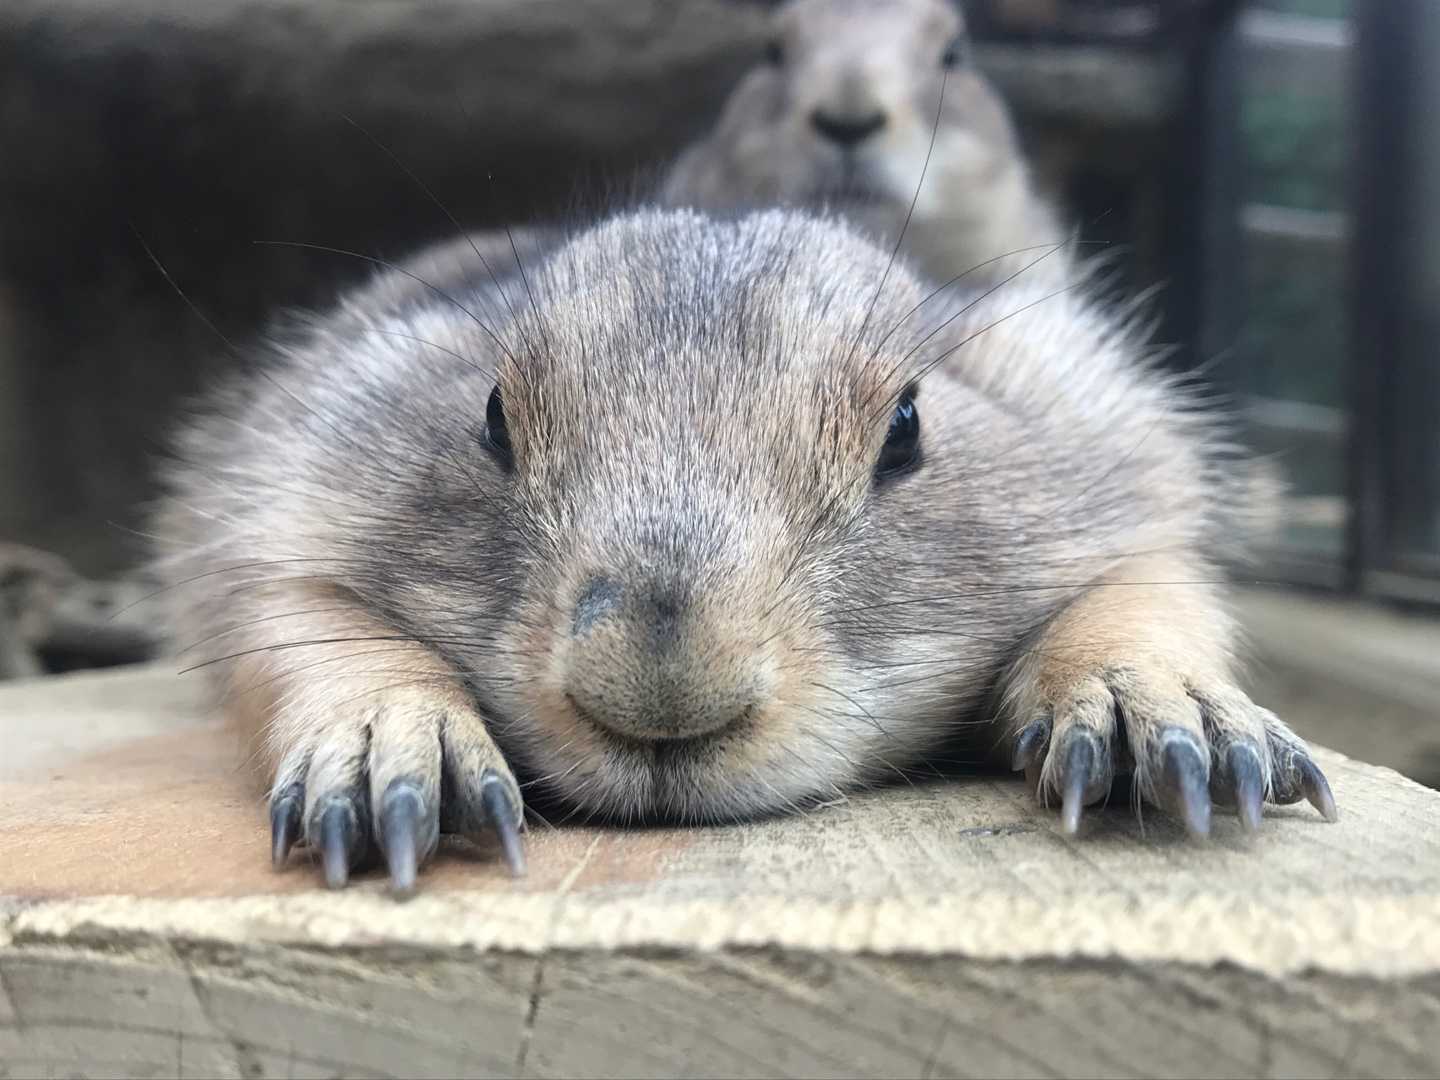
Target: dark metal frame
1389, 372
1392, 357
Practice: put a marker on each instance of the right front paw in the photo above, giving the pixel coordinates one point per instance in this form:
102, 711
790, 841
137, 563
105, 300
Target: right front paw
370, 777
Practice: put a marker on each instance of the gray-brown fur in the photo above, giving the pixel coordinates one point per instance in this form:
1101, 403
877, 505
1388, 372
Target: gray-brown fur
689, 596
881, 63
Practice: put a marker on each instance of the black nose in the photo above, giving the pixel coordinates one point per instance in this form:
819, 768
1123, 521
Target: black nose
847, 130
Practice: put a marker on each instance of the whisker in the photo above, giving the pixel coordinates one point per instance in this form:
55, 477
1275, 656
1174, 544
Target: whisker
905, 226
195, 308
387, 265
968, 339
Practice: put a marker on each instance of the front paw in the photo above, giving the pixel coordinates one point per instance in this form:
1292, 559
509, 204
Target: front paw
371, 775
1186, 741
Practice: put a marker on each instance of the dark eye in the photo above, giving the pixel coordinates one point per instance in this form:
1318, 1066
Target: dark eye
774, 52
496, 433
954, 53
902, 441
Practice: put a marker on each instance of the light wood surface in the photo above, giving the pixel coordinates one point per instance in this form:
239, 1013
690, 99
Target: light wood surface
942, 930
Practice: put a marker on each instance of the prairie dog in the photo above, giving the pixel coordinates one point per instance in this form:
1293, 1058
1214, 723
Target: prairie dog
701, 520
854, 103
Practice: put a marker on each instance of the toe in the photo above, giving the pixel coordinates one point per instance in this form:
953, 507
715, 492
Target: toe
337, 833
502, 806
286, 812
337, 810
1030, 744
1243, 773
407, 831
1185, 779
1317, 789
1083, 774
482, 797
1293, 774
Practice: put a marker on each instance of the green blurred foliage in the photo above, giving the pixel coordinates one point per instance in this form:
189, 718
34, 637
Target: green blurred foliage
1293, 334
1294, 149
1292, 341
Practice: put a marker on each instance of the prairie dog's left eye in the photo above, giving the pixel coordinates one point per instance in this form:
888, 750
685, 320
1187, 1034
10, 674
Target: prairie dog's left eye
902, 441
497, 434
954, 53
774, 52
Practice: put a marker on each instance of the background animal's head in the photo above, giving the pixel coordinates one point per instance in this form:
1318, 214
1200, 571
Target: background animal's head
843, 106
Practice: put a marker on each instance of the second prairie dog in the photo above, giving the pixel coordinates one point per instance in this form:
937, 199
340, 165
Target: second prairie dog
842, 113
702, 519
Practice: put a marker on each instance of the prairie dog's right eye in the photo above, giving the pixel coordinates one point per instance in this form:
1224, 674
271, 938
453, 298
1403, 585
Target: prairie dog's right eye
774, 52
902, 441
497, 435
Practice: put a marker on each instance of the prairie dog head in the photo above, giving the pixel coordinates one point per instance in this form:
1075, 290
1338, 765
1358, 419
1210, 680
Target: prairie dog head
707, 514
843, 110
666, 535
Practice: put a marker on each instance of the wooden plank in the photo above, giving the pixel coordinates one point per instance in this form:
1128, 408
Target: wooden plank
944, 929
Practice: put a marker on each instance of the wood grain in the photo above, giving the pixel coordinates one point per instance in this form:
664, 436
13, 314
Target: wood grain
941, 930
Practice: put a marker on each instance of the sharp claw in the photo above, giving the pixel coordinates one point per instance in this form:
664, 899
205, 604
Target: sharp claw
337, 837
1185, 773
402, 816
1317, 789
1029, 743
1079, 764
285, 811
1243, 764
504, 819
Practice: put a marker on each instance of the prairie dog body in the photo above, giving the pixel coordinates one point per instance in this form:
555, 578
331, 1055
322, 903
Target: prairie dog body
701, 520
858, 100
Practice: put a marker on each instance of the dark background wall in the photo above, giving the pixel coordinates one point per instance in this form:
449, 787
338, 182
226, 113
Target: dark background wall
204, 127
197, 129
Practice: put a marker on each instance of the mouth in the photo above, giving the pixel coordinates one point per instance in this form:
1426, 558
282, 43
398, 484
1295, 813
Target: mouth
668, 742
849, 180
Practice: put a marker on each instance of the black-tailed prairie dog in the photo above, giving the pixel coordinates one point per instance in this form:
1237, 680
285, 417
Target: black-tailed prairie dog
855, 102
701, 519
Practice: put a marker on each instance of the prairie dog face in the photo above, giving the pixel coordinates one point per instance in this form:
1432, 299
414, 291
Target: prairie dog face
845, 105
703, 519
704, 476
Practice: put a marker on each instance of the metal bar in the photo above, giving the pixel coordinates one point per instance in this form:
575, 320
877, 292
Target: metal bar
1203, 195
1379, 97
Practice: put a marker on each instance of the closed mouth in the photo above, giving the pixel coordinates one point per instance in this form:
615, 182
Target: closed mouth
849, 183
662, 744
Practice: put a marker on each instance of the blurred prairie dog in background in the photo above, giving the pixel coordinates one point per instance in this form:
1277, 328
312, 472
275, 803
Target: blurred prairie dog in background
842, 113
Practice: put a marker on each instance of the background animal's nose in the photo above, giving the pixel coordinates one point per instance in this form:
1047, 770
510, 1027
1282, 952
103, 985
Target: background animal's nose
847, 131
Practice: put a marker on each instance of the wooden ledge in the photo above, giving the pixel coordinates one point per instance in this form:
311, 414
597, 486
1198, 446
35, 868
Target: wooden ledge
938, 930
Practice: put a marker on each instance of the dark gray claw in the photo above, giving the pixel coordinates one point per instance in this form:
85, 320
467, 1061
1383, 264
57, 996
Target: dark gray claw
1187, 776
1030, 744
1294, 777
1317, 789
402, 825
1080, 774
504, 818
339, 837
285, 812
1247, 778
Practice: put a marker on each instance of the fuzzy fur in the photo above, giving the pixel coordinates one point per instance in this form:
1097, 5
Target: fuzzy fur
690, 597
977, 211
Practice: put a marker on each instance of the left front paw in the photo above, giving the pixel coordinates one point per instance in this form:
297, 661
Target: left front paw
1186, 741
